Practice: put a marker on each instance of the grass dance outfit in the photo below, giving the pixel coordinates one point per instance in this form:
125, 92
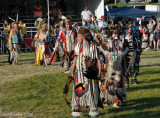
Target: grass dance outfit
13, 46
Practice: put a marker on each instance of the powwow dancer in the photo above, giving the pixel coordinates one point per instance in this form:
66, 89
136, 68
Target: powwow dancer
13, 44
42, 50
68, 37
114, 87
137, 44
85, 89
100, 40
131, 57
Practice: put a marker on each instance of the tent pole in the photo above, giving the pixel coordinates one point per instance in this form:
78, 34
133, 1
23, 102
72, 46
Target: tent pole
48, 18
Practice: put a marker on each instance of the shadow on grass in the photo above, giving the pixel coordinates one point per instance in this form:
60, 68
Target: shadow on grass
150, 65
150, 57
146, 114
150, 81
55, 64
30, 61
138, 87
4, 61
151, 71
139, 105
25, 60
21, 61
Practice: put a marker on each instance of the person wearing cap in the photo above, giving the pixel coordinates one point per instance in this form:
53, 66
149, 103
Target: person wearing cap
102, 25
86, 74
86, 17
13, 45
68, 37
42, 51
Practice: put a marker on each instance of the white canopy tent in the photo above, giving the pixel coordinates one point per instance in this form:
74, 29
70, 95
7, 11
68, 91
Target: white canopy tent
77, 6
95, 6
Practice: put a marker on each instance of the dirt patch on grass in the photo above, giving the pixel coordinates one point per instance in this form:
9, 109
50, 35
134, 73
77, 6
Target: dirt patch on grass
25, 69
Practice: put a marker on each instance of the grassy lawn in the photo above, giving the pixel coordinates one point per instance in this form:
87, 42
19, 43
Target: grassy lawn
40, 95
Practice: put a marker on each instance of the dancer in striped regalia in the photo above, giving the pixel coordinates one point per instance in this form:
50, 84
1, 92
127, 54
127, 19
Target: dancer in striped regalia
86, 73
133, 56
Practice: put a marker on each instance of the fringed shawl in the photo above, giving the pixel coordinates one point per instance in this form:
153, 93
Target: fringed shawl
88, 49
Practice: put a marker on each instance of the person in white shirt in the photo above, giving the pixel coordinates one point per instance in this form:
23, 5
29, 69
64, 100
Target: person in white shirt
102, 25
86, 17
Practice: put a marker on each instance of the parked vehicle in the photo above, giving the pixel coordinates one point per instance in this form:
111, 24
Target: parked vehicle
152, 8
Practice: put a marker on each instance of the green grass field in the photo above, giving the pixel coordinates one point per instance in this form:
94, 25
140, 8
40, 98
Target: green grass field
40, 94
